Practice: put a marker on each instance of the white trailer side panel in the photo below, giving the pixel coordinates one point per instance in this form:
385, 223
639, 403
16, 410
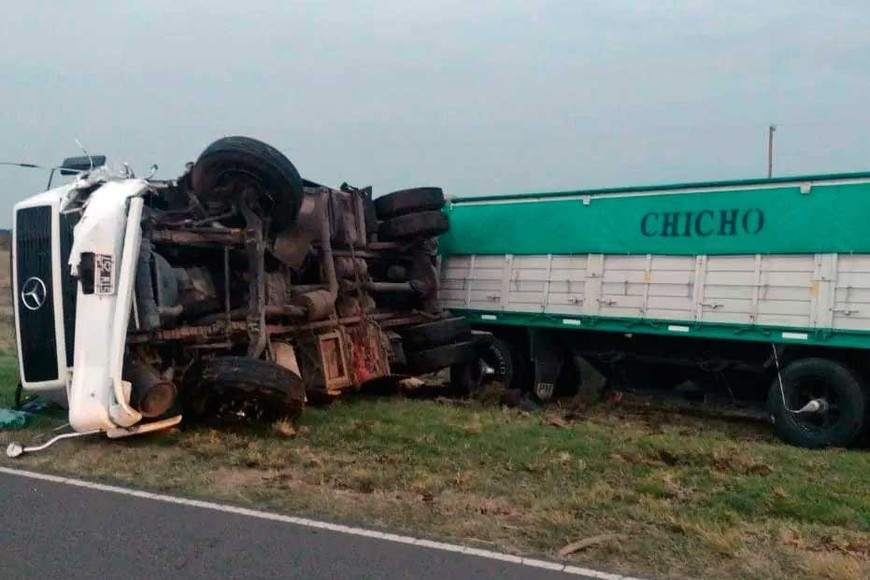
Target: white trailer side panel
805, 291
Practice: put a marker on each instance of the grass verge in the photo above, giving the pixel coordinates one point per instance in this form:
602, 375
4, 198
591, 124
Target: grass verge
684, 497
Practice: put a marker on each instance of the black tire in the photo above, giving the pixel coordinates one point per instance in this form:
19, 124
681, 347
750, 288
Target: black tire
830, 380
522, 369
427, 224
407, 201
441, 357
229, 165
468, 377
435, 333
262, 389
568, 383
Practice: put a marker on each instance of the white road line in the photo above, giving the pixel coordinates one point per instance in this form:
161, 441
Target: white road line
316, 524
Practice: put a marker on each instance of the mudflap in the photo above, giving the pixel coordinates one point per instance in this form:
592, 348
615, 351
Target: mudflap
547, 355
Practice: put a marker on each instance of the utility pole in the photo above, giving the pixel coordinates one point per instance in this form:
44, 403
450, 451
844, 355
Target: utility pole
770, 131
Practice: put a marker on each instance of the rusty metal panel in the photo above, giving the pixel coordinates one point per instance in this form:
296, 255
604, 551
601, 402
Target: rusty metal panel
369, 351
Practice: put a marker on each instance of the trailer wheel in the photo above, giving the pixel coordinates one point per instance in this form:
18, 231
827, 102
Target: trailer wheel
242, 388
494, 363
427, 224
435, 333
227, 168
568, 383
844, 406
441, 357
407, 201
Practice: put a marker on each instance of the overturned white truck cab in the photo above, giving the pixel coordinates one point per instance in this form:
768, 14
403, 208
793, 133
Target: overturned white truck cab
237, 290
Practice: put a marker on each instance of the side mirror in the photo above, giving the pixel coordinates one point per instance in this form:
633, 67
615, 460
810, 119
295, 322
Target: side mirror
73, 165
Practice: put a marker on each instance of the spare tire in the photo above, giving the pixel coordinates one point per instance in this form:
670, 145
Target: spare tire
242, 387
433, 359
435, 333
230, 165
407, 201
838, 423
427, 224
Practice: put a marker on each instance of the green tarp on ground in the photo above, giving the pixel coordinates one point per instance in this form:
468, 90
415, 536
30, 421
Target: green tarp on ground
11, 419
822, 214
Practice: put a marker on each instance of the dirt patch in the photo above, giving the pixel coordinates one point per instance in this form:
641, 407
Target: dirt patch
226, 479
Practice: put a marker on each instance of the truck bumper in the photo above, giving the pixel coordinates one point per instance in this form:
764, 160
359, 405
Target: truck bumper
105, 248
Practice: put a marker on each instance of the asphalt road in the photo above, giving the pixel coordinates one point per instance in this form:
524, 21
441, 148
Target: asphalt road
54, 530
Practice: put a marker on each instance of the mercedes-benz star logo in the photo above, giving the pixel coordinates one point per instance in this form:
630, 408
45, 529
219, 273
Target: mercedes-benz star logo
33, 293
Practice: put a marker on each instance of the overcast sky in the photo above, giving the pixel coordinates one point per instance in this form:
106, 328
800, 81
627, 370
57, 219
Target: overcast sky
480, 97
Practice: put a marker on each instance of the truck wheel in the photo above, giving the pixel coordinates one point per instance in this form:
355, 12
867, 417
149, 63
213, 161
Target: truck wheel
441, 357
844, 406
407, 201
236, 387
427, 224
435, 333
568, 383
229, 166
494, 363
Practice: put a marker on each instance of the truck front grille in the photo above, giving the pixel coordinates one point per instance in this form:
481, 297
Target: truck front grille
34, 294
68, 285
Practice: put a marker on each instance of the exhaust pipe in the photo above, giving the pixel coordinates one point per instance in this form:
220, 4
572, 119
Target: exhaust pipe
152, 394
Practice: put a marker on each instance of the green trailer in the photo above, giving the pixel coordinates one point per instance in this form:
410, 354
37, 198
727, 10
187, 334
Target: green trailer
765, 280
